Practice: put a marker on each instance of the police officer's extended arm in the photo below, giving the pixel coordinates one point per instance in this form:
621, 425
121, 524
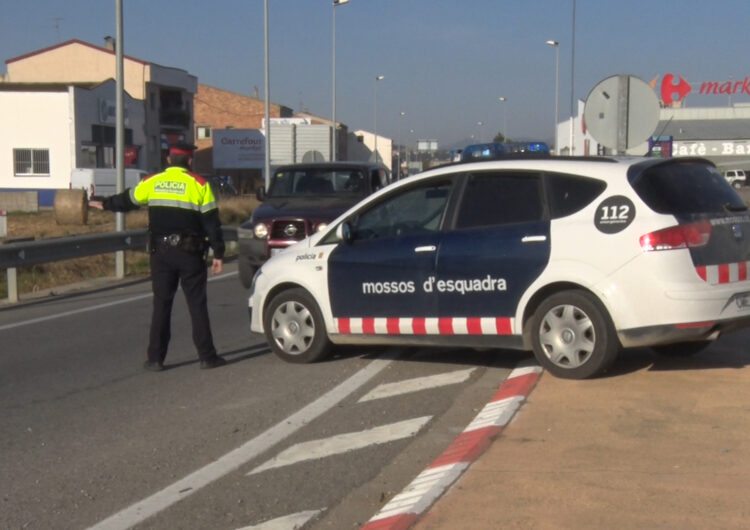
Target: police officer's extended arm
122, 202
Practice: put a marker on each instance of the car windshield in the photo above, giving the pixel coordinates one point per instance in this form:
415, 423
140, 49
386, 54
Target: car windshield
318, 181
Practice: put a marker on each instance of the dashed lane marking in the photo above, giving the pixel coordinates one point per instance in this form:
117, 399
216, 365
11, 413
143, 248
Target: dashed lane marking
287, 522
344, 443
142, 510
417, 384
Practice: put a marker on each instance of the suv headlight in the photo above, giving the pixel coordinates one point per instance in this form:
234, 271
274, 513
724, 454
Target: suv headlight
261, 231
322, 227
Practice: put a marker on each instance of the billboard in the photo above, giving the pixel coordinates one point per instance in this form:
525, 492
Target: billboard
239, 149
427, 146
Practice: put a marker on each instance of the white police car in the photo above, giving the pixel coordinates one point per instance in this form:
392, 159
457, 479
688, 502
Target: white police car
571, 258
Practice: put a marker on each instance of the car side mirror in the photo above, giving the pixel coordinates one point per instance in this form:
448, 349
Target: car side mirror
344, 232
260, 193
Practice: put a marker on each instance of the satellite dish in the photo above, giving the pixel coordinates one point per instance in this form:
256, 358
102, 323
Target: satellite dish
313, 156
621, 112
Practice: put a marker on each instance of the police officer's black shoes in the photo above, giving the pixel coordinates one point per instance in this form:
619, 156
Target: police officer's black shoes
212, 362
153, 366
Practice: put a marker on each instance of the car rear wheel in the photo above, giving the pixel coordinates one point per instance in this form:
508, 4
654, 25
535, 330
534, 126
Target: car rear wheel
294, 327
572, 335
681, 349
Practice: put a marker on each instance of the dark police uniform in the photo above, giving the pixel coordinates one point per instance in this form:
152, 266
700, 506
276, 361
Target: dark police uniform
183, 222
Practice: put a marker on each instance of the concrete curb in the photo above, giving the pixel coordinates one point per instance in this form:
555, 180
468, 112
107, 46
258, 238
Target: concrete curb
408, 506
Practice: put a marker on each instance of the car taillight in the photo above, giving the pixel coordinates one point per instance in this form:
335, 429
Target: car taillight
691, 235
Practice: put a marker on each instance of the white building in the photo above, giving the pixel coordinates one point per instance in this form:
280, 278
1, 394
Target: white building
47, 129
721, 134
361, 146
166, 93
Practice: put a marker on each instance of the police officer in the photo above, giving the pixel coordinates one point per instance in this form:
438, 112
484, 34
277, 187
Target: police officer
183, 222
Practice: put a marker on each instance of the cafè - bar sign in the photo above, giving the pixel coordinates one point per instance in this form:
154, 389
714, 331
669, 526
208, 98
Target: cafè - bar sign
676, 88
710, 148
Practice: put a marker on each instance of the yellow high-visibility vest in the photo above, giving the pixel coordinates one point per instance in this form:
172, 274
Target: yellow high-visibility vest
175, 187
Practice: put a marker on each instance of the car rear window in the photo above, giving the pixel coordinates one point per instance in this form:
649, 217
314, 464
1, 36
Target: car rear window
686, 188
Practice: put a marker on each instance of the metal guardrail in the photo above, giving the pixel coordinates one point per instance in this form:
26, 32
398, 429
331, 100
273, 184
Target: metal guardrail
21, 254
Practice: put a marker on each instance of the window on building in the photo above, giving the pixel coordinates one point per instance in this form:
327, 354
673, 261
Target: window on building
30, 162
88, 156
203, 132
103, 139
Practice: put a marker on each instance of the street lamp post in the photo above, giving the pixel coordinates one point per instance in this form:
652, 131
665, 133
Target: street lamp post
375, 113
479, 126
409, 154
333, 84
119, 132
267, 105
398, 151
505, 118
556, 45
572, 77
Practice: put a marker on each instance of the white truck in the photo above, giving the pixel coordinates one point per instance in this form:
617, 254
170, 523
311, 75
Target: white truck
102, 182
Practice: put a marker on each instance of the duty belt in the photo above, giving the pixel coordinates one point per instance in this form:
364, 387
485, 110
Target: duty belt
172, 240
188, 242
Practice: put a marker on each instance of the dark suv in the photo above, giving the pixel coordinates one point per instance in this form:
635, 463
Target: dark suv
301, 200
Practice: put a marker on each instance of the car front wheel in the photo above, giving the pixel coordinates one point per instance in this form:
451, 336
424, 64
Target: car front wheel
294, 327
572, 335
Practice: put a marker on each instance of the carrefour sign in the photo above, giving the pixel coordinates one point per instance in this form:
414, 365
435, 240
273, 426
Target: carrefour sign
239, 148
676, 88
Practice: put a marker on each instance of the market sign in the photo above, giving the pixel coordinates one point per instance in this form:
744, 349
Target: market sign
239, 149
676, 88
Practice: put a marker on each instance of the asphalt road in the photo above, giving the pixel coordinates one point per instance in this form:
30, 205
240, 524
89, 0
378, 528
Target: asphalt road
88, 439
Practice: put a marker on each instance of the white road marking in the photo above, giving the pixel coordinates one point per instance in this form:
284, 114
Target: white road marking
96, 307
142, 510
288, 522
417, 384
343, 443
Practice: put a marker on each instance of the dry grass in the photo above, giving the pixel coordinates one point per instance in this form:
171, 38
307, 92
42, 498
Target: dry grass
42, 225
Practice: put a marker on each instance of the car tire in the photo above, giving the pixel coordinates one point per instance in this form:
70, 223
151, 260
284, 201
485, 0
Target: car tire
294, 327
246, 272
681, 349
572, 335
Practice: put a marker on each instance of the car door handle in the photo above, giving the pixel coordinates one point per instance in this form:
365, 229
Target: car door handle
533, 239
426, 248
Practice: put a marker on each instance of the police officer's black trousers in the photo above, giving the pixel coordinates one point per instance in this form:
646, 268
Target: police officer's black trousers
171, 266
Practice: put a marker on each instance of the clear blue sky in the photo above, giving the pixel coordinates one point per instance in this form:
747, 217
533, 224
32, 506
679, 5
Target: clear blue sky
445, 62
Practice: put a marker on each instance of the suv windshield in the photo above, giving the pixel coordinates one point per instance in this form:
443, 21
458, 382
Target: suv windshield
315, 181
686, 188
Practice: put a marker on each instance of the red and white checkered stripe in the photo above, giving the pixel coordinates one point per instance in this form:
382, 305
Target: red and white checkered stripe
406, 507
425, 326
725, 273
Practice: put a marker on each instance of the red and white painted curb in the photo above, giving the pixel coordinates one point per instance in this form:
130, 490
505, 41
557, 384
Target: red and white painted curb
405, 508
